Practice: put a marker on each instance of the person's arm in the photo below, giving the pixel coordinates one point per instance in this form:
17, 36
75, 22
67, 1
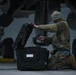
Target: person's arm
48, 40
47, 27
45, 39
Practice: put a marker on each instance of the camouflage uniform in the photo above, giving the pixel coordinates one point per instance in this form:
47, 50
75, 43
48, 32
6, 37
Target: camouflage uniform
60, 39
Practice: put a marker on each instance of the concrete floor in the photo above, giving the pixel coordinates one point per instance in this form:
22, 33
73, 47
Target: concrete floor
16, 72
11, 69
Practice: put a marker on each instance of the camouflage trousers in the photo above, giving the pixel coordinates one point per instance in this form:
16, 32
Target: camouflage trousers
59, 60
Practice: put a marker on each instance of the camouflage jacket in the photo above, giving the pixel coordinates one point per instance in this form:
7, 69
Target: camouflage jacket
61, 36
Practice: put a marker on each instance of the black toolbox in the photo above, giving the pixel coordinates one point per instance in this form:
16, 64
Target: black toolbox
32, 58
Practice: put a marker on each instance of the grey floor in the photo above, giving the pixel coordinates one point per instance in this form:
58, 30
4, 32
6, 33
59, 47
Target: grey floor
11, 69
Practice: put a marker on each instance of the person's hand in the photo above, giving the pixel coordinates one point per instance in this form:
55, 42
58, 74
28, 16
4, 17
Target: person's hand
41, 38
34, 25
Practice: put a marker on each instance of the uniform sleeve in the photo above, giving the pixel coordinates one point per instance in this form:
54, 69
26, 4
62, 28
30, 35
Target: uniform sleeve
48, 27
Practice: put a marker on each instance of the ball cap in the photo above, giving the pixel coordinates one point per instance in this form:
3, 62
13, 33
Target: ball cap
56, 15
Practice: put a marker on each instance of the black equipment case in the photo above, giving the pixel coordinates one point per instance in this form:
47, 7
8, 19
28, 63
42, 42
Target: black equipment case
29, 58
32, 58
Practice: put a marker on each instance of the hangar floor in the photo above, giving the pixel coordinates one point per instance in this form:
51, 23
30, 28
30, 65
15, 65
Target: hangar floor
11, 69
